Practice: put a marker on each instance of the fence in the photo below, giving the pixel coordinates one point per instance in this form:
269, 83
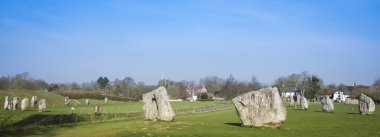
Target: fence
40, 120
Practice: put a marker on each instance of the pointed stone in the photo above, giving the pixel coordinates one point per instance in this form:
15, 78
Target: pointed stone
6, 103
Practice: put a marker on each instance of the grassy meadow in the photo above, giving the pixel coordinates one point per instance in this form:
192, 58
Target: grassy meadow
58, 113
345, 121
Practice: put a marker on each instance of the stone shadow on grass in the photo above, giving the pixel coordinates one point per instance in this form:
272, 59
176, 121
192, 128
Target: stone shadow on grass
234, 124
356, 113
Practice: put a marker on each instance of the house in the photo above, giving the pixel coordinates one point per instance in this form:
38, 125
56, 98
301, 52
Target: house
290, 92
339, 96
192, 92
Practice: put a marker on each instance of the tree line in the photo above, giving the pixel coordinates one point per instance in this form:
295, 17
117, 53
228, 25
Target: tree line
310, 85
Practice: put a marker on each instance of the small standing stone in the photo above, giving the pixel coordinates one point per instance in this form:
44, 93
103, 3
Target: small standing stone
304, 103
15, 103
291, 101
97, 110
42, 105
67, 100
24, 104
33, 101
87, 101
366, 105
106, 100
327, 104
6, 103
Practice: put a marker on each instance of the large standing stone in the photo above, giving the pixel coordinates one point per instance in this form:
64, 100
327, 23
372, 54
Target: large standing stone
24, 103
304, 103
6, 103
15, 103
33, 101
67, 100
41, 105
260, 108
157, 105
366, 105
327, 104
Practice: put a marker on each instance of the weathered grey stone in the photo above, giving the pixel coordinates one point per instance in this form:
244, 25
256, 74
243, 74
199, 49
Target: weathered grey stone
291, 101
41, 105
106, 100
67, 101
97, 110
33, 101
261, 108
24, 103
6, 103
304, 103
15, 103
87, 101
366, 105
327, 104
157, 105
351, 101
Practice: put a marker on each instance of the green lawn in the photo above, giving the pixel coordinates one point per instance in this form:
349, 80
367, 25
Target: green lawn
345, 121
56, 109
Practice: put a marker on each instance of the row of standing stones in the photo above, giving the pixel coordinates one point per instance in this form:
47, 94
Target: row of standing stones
256, 108
12, 105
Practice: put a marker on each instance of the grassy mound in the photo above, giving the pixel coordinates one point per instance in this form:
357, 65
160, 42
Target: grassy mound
51, 98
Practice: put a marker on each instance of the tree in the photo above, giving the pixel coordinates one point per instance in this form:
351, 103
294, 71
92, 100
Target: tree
212, 83
102, 82
312, 86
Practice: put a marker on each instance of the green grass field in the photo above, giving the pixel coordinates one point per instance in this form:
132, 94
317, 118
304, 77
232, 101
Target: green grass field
83, 113
345, 121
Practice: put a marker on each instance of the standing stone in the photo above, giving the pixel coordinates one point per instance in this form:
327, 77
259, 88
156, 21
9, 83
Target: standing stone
327, 104
298, 100
106, 100
67, 100
87, 101
366, 105
157, 105
33, 101
261, 108
6, 103
304, 103
291, 101
15, 103
97, 110
24, 104
41, 105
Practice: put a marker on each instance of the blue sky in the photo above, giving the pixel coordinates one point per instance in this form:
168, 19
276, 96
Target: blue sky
71, 40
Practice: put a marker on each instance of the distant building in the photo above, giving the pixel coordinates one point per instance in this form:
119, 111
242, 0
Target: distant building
290, 92
339, 96
192, 92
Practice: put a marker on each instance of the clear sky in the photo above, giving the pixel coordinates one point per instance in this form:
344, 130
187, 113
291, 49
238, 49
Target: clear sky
80, 40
